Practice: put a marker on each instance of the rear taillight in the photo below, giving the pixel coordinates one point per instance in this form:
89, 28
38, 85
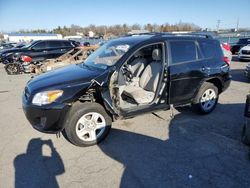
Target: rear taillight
226, 46
226, 60
26, 58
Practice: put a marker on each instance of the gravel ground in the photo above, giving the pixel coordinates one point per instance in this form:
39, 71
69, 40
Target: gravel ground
189, 150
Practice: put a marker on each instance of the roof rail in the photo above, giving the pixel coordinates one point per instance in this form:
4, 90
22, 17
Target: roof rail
192, 34
147, 33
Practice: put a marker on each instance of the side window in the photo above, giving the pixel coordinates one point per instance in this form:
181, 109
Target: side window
207, 48
211, 49
39, 46
66, 44
183, 51
54, 44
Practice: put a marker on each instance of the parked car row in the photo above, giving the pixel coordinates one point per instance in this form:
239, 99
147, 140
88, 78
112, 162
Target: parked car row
244, 53
124, 78
8, 45
242, 48
241, 43
39, 50
33, 57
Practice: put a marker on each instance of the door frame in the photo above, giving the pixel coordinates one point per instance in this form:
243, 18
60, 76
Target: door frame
155, 105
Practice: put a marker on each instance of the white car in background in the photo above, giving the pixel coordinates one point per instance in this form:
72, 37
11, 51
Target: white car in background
244, 53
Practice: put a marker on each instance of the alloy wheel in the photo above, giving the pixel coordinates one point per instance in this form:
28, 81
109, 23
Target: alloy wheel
90, 126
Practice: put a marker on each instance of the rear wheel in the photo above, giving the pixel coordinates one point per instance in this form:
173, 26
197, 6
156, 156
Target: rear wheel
206, 99
87, 124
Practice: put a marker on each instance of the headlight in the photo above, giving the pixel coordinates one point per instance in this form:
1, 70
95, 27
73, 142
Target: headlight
46, 97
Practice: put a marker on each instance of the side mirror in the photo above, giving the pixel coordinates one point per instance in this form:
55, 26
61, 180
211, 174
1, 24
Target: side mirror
32, 49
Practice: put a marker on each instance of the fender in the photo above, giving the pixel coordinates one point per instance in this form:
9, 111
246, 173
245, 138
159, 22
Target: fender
208, 80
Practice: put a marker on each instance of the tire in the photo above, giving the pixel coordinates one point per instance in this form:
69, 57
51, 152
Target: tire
12, 68
206, 99
86, 124
246, 133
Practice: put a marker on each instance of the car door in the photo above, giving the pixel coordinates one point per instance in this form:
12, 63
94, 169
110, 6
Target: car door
159, 101
54, 49
186, 70
38, 51
66, 46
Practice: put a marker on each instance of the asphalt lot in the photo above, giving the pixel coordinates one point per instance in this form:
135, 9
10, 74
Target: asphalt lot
147, 151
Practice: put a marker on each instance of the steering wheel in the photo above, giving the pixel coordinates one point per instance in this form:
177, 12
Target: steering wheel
127, 71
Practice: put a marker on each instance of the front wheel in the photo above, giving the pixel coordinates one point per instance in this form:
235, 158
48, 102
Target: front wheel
87, 124
206, 99
13, 68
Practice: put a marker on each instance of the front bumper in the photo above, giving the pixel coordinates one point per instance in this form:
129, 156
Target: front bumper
244, 56
47, 118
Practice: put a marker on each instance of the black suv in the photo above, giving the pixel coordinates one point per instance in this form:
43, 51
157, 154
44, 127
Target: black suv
39, 50
126, 77
241, 43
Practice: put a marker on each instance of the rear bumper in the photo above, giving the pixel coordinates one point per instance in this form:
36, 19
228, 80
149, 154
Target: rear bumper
227, 83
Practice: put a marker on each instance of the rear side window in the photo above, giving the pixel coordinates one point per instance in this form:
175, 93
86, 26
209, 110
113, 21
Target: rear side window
183, 51
210, 49
66, 44
207, 48
54, 44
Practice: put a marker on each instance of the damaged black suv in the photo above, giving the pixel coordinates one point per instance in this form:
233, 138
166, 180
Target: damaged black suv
126, 77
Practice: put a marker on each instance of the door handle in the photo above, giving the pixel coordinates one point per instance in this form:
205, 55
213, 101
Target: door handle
205, 69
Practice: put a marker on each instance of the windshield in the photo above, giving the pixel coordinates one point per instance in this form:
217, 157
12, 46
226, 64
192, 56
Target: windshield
107, 55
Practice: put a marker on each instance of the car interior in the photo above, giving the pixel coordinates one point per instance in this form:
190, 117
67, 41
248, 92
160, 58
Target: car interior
138, 78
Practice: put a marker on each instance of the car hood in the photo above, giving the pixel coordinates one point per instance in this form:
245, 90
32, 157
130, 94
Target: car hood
246, 47
63, 77
12, 50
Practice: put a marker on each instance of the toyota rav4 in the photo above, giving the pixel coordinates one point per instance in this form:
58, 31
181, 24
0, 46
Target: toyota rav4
126, 77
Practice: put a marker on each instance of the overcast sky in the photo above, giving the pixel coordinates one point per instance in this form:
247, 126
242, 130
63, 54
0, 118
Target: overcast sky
48, 14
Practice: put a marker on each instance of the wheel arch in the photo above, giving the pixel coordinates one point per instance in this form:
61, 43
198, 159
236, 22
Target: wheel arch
94, 94
217, 82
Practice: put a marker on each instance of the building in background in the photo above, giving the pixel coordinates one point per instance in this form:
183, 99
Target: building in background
27, 37
91, 34
73, 37
134, 32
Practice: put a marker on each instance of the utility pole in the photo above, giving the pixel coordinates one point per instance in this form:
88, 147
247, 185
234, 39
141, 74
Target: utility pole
237, 26
218, 25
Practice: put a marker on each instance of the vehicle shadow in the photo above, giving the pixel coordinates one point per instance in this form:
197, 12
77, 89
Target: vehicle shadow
238, 75
201, 151
32, 169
